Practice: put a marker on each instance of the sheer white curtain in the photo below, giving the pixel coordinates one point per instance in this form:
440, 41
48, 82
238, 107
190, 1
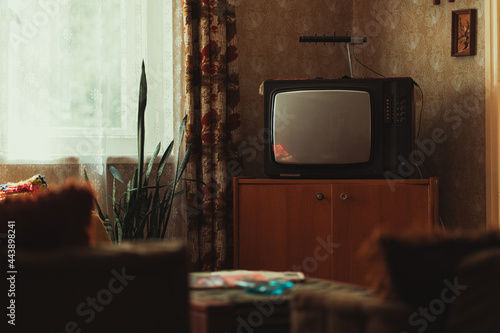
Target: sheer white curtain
70, 73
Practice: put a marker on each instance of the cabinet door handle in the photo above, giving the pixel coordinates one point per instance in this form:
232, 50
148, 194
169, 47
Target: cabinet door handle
320, 196
343, 196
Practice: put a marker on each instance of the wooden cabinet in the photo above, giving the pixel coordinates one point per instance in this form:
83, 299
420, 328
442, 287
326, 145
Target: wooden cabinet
318, 226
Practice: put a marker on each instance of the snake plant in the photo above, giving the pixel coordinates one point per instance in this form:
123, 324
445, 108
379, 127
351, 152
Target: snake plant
143, 211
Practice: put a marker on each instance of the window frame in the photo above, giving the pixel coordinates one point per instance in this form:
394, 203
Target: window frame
492, 82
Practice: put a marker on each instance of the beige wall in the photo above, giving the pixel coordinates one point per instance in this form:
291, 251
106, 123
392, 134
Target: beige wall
406, 38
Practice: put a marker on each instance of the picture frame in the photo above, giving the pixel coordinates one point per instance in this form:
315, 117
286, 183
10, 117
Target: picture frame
463, 32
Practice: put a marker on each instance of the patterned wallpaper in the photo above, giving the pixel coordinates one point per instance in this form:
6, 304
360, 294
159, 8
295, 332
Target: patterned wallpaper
269, 48
405, 38
412, 38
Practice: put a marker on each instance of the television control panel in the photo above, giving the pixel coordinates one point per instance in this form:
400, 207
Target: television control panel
396, 109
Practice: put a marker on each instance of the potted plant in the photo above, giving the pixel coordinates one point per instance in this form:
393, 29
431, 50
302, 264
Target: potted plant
143, 211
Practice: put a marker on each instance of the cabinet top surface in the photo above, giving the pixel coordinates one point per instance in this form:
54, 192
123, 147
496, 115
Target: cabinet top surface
337, 181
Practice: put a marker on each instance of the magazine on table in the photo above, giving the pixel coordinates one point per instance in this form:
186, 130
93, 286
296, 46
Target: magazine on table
231, 278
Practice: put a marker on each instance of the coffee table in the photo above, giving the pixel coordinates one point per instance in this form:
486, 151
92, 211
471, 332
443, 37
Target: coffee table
235, 310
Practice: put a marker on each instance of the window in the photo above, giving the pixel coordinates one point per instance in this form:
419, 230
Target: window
72, 72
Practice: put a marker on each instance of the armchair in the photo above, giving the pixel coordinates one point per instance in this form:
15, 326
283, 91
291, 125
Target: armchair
458, 294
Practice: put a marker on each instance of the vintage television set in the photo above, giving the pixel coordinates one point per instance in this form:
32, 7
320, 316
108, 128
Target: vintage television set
338, 128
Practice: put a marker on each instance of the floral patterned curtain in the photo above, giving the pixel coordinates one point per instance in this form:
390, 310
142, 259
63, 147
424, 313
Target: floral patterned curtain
211, 99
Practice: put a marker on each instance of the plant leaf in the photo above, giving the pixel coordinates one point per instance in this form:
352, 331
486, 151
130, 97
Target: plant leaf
163, 161
99, 211
116, 215
129, 220
153, 231
151, 163
96, 203
194, 180
141, 214
128, 194
134, 182
169, 210
116, 174
178, 172
116, 204
187, 153
109, 229
149, 187
182, 128
143, 92
180, 193
85, 176
119, 231
182, 166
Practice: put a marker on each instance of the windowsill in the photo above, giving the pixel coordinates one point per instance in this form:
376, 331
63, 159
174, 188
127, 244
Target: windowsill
77, 161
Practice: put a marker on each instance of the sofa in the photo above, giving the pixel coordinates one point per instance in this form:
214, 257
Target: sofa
446, 284
61, 277
126, 288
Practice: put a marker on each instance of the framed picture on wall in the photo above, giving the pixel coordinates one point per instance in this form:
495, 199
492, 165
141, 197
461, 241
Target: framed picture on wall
463, 32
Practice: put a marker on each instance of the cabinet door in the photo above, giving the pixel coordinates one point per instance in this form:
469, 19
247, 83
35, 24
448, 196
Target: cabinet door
361, 209
284, 227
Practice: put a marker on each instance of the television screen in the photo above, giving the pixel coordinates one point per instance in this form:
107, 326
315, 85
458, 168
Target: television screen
329, 127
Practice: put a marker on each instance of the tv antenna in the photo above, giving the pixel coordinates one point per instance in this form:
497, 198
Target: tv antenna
348, 40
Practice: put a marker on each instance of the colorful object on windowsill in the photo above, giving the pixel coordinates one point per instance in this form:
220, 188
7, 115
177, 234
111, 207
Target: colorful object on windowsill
30, 185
